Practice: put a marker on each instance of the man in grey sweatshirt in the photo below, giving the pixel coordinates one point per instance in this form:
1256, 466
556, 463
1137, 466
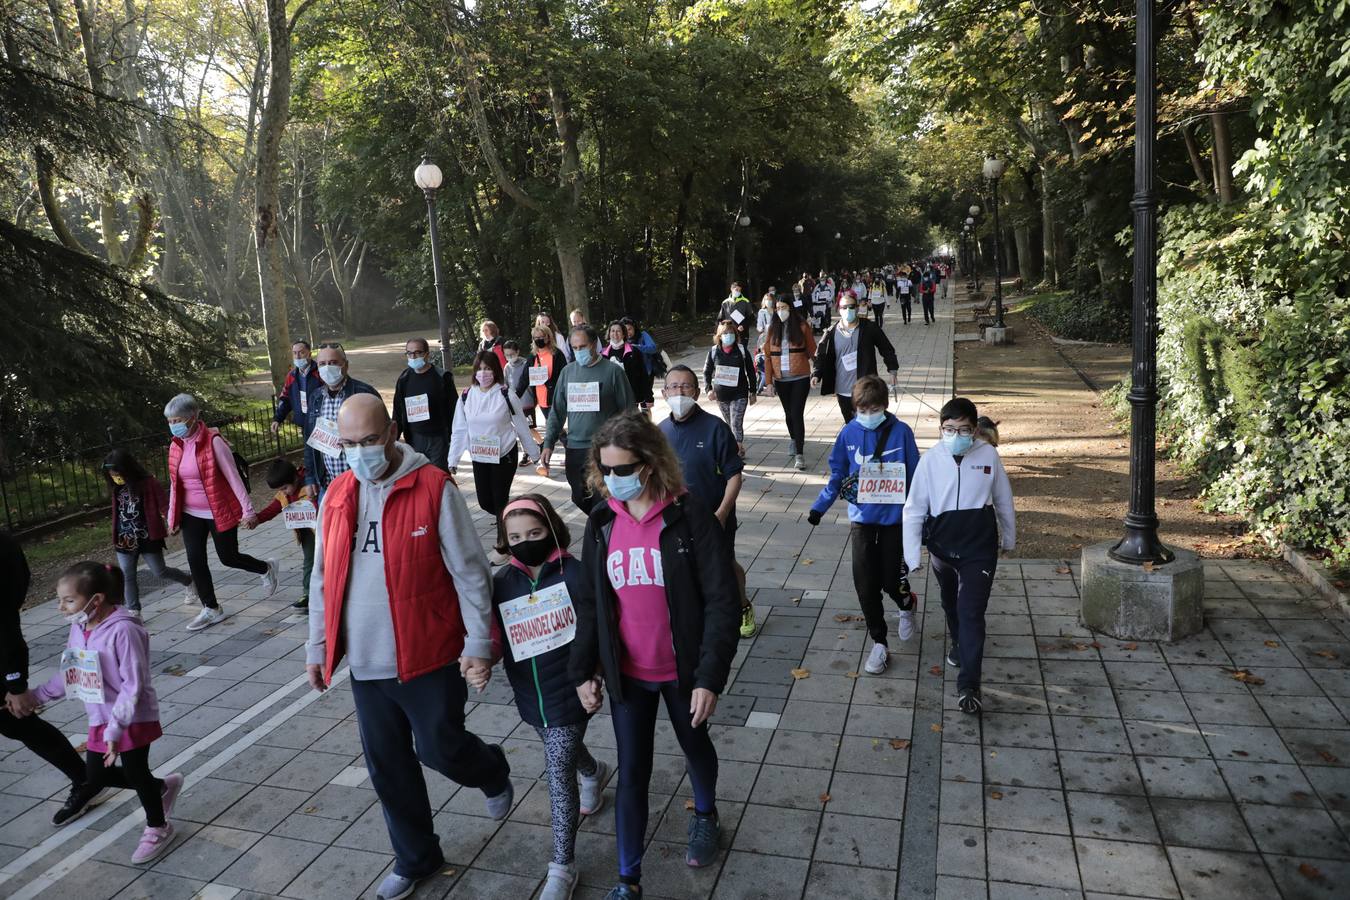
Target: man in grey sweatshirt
410, 623
589, 391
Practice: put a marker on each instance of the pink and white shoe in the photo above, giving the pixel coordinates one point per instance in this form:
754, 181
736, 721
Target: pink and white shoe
173, 784
154, 841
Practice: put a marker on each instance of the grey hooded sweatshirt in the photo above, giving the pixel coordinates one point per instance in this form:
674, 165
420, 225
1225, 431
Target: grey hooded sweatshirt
367, 624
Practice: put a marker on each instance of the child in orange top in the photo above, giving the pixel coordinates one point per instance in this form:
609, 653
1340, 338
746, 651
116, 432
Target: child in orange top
288, 481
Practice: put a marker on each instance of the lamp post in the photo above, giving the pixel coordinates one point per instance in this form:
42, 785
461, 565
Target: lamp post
428, 177
1141, 544
801, 240
974, 242
993, 171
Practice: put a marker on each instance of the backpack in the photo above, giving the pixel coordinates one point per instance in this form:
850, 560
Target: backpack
506, 395
242, 465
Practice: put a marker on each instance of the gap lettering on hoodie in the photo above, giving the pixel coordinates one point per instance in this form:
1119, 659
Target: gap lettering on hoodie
372, 542
638, 571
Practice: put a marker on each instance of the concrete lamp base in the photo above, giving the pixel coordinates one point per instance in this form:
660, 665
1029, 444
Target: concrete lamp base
1166, 603
998, 336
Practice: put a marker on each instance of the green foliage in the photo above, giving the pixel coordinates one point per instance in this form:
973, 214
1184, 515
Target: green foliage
1078, 317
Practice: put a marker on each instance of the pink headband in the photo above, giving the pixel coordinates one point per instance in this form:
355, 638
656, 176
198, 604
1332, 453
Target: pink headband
525, 503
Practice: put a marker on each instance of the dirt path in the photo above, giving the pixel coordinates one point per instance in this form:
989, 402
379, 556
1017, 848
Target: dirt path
1068, 461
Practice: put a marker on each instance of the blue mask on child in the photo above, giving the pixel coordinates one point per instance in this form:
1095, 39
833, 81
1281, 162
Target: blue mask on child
871, 421
728, 340
623, 487
957, 444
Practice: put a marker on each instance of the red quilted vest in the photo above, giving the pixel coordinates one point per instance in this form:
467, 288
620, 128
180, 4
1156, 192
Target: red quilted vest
225, 508
428, 629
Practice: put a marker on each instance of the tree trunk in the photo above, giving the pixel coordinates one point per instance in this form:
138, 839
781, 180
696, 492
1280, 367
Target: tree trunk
42, 164
1197, 162
276, 110
570, 260
1026, 259
1222, 157
675, 251
1049, 262
572, 268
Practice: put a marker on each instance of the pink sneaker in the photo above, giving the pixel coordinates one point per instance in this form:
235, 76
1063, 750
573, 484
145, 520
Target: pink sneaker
154, 841
172, 785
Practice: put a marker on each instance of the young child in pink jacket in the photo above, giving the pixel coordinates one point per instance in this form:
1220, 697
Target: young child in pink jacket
106, 664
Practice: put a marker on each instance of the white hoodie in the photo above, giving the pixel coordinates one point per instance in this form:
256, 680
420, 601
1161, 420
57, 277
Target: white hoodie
963, 501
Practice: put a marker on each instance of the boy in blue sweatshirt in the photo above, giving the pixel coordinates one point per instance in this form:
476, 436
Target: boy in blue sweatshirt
872, 463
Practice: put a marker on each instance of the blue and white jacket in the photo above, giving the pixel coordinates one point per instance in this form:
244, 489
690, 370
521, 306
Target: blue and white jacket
856, 445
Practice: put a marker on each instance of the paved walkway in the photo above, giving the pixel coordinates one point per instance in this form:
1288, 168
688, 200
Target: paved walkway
1100, 768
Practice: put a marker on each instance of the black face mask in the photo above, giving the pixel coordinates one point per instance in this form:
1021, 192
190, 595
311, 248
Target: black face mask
533, 553
541, 343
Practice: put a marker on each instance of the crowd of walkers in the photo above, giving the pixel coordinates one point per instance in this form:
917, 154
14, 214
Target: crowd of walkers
647, 614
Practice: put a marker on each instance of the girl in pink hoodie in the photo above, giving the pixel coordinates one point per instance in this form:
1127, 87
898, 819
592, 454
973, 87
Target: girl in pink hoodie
106, 664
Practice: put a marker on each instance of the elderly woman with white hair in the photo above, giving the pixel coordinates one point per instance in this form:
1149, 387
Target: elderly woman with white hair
207, 498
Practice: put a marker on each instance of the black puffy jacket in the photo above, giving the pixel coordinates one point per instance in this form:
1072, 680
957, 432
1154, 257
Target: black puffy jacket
545, 695
14, 580
701, 594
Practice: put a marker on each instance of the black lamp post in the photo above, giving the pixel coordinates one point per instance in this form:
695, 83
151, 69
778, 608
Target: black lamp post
993, 170
428, 178
974, 242
801, 243
1141, 544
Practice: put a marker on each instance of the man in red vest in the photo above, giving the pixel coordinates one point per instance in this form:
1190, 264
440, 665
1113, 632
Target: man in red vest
401, 589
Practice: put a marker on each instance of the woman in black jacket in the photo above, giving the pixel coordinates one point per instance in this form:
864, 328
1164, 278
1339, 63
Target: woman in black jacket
630, 357
729, 362
656, 621
533, 624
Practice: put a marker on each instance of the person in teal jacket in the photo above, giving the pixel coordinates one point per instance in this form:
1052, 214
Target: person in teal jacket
871, 465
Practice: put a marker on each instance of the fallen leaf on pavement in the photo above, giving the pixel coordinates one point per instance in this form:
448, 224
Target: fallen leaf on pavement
1063, 570
824, 798
689, 804
1326, 654
1244, 676
1095, 645
935, 728
801, 673
845, 617
1130, 646
1328, 756
1272, 643
796, 601
851, 675
1241, 753
899, 744
995, 795
311, 810
935, 670
1310, 872
449, 872
1148, 567
807, 562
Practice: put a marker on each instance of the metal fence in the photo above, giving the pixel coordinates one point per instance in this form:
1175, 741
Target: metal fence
36, 492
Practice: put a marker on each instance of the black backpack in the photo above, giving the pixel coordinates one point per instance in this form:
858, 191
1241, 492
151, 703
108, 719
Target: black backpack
242, 465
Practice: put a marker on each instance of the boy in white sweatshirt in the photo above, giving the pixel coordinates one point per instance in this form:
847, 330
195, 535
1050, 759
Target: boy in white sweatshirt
960, 504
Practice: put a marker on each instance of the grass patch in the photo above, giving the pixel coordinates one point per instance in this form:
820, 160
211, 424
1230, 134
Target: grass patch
1076, 318
75, 542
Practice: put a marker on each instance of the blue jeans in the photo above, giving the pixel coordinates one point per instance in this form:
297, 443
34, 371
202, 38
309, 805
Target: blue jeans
126, 560
965, 587
634, 737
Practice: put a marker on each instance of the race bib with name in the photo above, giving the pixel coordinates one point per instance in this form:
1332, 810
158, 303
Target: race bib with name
301, 514
304, 403
737, 316
82, 675
485, 448
418, 408
881, 482
727, 376
538, 375
850, 361
583, 396
539, 622
324, 438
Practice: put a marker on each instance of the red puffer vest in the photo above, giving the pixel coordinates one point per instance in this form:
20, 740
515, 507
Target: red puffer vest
428, 629
225, 508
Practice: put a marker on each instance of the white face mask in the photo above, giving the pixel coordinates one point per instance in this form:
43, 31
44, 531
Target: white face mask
680, 405
783, 315
80, 618
331, 375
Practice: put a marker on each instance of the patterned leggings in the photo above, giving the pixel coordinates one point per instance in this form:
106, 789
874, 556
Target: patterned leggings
565, 755
733, 411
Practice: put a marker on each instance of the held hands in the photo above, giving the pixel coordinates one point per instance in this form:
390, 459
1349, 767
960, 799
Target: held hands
701, 706
476, 671
276, 426
309, 492
21, 705
544, 456
315, 675
110, 758
592, 694
250, 523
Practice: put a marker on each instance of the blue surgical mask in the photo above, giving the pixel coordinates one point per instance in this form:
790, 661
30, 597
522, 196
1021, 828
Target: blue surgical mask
851, 315
623, 487
584, 355
301, 364
728, 339
957, 444
179, 429
871, 421
368, 463
416, 364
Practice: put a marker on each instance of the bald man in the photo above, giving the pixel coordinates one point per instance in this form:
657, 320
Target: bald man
401, 589
324, 460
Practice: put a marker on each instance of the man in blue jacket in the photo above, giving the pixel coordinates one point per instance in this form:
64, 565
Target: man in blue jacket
324, 459
303, 377
871, 466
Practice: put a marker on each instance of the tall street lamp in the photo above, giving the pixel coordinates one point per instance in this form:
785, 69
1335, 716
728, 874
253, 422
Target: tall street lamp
428, 178
801, 256
1141, 544
993, 171
974, 242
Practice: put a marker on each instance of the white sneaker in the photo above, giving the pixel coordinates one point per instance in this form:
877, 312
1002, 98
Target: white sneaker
799, 462
206, 618
906, 629
135, 614
269, 579
561, 882
592, 788
190, 596
877, 660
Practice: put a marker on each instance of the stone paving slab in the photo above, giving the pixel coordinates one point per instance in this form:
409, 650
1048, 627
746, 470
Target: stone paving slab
1101, 767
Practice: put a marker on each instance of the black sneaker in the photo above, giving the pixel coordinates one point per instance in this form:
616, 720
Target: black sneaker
302, 604
969, 701
80, 799
954, 657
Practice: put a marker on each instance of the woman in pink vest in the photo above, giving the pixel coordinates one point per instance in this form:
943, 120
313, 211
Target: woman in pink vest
207, 498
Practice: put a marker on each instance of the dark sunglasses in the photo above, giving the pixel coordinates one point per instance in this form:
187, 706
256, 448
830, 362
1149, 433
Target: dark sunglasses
332, 345
623, 471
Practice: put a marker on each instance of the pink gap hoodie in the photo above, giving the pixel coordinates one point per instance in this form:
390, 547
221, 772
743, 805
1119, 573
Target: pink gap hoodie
129, 702
636, 573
